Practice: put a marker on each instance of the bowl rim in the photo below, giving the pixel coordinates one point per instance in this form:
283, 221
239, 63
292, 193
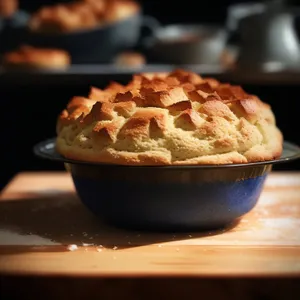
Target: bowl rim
46, 150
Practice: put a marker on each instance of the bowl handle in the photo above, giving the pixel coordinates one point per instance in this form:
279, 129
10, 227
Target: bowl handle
151, 25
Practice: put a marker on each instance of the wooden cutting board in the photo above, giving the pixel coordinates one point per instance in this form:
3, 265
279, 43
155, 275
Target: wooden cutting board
45, 230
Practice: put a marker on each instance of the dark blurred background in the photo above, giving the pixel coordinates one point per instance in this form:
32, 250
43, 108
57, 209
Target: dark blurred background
168, 11
29, 111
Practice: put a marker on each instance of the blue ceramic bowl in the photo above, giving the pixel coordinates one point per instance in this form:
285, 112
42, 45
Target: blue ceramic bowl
99, 44
96, 45
176, 198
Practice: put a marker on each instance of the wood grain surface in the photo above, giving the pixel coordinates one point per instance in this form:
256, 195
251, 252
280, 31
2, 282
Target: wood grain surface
45, 230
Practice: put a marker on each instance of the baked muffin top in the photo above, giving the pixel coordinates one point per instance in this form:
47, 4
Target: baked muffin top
80, 15
130, 59
176, 118
34, 57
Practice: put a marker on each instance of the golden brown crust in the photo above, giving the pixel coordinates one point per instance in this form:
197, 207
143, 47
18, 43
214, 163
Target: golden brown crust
130, 59
80, 15
119, 10
176, 118
36, 58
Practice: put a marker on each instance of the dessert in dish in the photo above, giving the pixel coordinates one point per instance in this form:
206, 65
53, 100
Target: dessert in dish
176, 118
168, 151
130, 59
28, 57
8, 8
80, 15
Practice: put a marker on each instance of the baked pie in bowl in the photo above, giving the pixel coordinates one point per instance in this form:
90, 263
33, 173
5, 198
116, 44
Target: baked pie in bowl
92, 31
168, 150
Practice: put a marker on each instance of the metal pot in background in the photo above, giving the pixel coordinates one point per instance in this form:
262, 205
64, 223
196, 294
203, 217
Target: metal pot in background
236, 13
270, 39
186, 44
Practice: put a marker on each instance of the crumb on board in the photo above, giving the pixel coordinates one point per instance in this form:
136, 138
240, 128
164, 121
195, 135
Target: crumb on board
72, 247
87, 244
244, 221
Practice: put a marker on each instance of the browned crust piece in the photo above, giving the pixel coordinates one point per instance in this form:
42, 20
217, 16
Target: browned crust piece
176, 118
130, 59
28, 57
